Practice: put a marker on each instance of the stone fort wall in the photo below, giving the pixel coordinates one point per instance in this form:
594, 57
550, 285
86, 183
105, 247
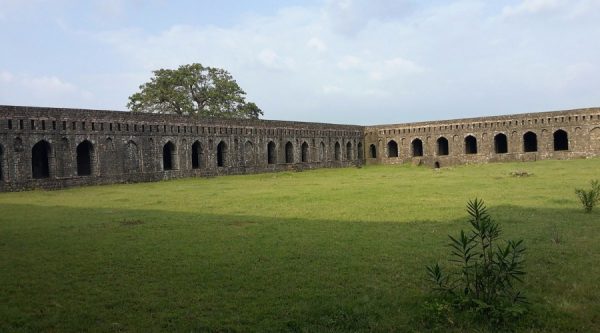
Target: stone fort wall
55, 148
522, 137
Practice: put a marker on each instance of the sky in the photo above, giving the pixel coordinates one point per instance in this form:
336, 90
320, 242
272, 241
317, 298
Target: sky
341, 61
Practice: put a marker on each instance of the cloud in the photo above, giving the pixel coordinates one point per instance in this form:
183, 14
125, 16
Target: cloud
532, 7
23, 89
349, 17
353, 61
316, 44
271, 60
349, 62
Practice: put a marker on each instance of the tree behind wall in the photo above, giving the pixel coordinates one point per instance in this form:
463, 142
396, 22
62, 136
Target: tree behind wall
194, 90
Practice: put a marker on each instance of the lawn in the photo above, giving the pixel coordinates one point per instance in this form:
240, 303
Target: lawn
332, 250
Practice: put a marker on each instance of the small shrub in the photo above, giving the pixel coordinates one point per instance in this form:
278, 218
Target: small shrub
484, 283
521, 173
131, 222
590, 197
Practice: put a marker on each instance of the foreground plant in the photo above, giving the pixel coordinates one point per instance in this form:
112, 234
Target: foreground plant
590, 197
484, 282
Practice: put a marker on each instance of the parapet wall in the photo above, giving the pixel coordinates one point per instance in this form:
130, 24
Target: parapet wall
523, 137
55, 148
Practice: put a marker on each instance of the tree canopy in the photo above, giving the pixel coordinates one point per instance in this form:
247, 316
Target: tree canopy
194, 90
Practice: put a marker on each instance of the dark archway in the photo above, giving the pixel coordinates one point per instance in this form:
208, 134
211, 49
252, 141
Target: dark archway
561, 140
289, 152
436, 165
442, 146
221, 154
359, 150
417, 147
196, 155
530, 142
372, 151
349, 151
392, 149
168, 155
84, 158
40, 164
470, 145
304, 152
271, 153
322, 152
500, 143
338, 151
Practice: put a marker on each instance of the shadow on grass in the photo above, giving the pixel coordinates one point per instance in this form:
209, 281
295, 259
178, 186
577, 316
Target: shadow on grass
76, 269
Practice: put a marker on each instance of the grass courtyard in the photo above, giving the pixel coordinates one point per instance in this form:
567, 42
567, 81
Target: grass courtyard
333, 250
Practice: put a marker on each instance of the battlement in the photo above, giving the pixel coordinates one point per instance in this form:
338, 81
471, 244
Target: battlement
55, 147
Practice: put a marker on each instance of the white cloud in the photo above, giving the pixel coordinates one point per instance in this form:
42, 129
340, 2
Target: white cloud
23, 89
6, 77
349, 62
271, 60
353, 61
532, 7
317, 44
331, 89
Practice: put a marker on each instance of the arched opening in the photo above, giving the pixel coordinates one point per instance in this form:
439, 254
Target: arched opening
132, 157
271, 153
349, 151
289, 152
168, 156
500, 143
359, 150
248, 153
196, 155
338, 151
529, 142
561, 140
40, 164
372, 151
442, 146
436, 165
470, 145
84, 158
392, 147
304, 152
322, 152
417, 147
221, 154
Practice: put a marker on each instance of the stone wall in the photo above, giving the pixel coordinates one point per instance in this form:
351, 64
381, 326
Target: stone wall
55, 148
522, 137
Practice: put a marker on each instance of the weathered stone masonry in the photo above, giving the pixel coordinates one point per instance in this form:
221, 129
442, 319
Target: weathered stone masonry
56, 148
522, 137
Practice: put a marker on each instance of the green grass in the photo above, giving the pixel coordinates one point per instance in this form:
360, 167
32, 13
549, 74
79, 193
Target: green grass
337, 250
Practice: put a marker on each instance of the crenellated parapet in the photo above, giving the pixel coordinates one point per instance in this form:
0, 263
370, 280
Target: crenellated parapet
56, 148
522, 137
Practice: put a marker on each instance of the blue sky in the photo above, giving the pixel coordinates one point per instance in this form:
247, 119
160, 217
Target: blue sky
342, 61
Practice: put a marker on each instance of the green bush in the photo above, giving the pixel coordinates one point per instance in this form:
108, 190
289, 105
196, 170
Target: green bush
483, 283
589, 198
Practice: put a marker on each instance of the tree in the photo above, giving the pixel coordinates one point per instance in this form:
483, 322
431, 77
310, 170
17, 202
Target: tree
194, 90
